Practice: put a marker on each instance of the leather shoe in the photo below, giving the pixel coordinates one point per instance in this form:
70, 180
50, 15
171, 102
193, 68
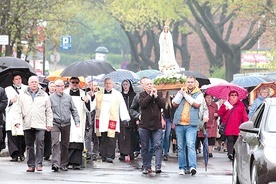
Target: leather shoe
94, 158
39, 168
136, 154
121, 158
14, 159
109, 160
64, 169
55, 168
30, 169
22, 158
76, 167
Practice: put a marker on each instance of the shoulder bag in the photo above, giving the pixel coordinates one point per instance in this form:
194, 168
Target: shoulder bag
222, 126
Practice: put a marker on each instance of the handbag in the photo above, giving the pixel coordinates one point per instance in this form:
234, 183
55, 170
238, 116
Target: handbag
222, 126
222, 129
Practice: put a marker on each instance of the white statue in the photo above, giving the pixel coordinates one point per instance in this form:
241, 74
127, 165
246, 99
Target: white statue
167, 63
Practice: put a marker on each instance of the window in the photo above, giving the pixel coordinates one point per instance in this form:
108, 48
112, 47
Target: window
271, 119
257, 116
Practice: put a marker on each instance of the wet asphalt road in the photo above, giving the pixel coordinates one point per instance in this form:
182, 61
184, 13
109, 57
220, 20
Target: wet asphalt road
219, 172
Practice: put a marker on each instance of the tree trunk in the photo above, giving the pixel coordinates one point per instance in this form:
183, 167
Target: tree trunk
232, 62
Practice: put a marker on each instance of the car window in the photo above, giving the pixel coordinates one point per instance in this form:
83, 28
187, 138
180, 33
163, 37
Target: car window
257, 116
270, 120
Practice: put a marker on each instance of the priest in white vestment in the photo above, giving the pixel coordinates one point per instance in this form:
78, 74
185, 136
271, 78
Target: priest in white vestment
76, 145
15, 135
110, 109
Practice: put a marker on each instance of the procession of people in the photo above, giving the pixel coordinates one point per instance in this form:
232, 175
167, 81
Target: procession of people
64, 124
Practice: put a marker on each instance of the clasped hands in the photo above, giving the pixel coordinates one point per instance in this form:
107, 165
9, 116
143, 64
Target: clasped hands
182, 91
153, 92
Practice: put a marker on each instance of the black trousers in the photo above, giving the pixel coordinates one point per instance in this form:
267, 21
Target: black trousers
16, 145
107, 146
231, 140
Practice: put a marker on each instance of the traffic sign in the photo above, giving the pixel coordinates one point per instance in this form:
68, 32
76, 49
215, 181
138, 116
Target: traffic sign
52, 57
65, 42
4, 40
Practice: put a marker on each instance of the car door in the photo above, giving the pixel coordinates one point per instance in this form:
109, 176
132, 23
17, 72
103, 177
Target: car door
249, 141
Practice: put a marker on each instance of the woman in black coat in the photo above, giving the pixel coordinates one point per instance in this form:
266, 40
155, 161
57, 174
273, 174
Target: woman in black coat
128, 131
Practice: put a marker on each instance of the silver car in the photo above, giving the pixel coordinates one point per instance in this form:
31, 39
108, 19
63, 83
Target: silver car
255, 149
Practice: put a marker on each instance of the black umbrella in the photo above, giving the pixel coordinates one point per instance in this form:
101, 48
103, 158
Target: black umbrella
201, 78
7, 62
205, 148
6, 75
87, 68
10, 66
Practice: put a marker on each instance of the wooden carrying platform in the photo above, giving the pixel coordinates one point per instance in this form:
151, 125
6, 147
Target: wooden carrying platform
176, 86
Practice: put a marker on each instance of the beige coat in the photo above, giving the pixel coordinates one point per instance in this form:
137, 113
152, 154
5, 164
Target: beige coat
35, 113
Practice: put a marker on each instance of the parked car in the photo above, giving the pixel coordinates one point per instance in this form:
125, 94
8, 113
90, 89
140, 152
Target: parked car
255, 149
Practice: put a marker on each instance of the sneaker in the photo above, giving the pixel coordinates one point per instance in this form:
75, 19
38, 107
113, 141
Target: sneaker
210, 154
193, 171
145, 171
158, 170
165, 158
181, 172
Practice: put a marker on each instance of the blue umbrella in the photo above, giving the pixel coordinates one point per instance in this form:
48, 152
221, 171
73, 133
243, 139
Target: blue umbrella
205, 148
120, 75
248, 81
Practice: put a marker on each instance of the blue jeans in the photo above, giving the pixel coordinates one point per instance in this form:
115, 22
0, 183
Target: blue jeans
156, 136
166, 137
186, 138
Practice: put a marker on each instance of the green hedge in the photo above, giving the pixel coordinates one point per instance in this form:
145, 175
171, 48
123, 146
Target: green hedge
66, 59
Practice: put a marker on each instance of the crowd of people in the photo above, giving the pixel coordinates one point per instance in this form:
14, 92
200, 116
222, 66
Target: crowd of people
60, 124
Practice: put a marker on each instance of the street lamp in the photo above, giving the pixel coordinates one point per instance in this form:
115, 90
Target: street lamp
43, 24
101, 53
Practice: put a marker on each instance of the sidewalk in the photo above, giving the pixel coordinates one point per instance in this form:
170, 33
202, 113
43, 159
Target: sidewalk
4, 152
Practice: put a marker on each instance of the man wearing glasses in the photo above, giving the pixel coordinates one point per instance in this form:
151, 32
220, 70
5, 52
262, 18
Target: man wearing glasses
76, 144
63, 107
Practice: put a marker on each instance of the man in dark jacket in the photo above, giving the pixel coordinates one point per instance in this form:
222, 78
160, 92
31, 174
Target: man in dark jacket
150, 126
135, 112
3, 105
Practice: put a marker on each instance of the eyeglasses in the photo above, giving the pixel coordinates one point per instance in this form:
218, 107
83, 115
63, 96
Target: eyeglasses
233, 95
73, 82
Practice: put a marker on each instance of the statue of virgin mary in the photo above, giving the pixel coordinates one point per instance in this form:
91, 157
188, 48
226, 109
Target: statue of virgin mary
167, 63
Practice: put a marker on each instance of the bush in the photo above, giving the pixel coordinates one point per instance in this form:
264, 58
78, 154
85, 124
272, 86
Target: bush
66, 59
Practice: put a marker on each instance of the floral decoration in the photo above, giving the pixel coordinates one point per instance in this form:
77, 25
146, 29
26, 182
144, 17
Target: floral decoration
170, 79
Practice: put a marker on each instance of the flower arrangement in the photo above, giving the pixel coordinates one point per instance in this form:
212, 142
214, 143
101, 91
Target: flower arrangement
170, 79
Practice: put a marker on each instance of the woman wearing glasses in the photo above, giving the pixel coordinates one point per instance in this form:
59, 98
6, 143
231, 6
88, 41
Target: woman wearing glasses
233, 114
263, 94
